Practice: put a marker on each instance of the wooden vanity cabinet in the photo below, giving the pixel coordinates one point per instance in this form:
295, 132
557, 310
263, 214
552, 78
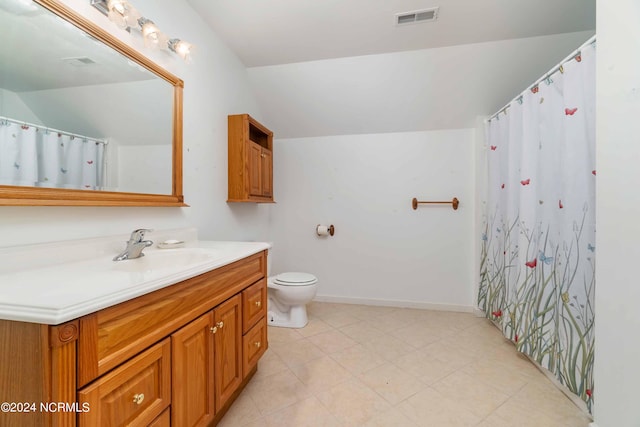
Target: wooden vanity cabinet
176, 356
250, 153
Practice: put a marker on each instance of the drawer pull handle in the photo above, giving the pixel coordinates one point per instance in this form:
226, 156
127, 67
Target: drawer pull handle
257, 344
220, 324
138, 398
258, 303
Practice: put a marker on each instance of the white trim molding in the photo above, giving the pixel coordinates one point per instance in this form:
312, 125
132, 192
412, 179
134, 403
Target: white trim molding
397, 303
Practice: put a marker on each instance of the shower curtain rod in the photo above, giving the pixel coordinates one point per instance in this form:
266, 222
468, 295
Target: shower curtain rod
547, 74
75, 135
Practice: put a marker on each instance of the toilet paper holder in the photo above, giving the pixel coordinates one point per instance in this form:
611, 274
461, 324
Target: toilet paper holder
323, 230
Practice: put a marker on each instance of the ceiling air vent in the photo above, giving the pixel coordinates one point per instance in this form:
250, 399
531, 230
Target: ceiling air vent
424, 15
80, 61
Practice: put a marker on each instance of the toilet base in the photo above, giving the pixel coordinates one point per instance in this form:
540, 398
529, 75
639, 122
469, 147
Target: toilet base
296, 317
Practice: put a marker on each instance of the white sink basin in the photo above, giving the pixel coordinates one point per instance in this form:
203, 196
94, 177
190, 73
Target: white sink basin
166, 259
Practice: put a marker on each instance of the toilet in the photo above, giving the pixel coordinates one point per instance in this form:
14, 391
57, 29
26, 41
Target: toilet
288, 295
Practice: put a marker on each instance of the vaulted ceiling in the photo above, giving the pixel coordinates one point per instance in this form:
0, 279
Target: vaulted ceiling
336, 67
272, 32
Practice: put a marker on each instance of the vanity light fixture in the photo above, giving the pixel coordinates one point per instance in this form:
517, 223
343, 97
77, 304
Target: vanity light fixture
125, 16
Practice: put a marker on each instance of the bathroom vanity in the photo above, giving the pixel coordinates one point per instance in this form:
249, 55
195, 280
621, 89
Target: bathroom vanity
176, 355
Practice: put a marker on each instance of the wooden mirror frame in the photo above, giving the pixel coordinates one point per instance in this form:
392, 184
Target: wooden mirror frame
34, 196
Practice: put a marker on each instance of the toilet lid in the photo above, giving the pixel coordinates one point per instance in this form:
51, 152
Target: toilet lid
295, 278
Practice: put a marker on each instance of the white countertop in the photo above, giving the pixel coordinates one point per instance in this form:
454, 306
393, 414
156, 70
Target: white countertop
41, 286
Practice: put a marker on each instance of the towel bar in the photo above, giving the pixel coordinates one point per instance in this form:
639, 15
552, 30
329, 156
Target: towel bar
454, 203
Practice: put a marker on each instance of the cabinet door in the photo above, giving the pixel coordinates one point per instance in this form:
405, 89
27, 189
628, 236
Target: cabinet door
193, 373
228, 349
267, 173
255, 166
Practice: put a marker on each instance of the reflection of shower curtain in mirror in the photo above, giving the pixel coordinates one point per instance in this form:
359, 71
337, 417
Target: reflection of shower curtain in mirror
32, 156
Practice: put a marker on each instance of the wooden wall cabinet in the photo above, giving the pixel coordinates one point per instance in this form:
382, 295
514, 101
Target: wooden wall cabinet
177, 356
250, 160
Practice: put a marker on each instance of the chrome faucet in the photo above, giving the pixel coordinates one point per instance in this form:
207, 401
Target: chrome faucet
135, 245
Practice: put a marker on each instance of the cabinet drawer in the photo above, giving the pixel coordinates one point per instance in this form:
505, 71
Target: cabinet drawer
254, 304
133, 394
254, 344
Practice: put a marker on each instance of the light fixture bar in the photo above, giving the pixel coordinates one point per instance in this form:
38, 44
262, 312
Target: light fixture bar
123, 14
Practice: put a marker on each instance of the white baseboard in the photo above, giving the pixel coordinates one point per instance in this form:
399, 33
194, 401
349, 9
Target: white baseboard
478, 312
593, 425
397, 303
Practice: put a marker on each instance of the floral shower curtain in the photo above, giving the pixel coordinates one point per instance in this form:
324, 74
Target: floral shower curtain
32, 156
538, 247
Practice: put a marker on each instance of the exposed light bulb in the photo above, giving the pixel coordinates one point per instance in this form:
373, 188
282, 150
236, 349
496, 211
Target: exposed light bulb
182, 48
150, 32
118, 12
149, 29
118, 6
132, 17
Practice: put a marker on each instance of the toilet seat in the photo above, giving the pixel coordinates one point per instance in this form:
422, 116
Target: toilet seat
295, 279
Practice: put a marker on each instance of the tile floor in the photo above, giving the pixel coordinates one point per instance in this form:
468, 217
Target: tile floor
356, 365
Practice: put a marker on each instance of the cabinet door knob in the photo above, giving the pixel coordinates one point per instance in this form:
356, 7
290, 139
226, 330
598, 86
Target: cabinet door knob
257, 344
258, 303
214, 329
138, 398
220, 325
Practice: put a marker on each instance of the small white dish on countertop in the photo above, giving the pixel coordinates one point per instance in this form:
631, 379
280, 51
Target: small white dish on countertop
171, 244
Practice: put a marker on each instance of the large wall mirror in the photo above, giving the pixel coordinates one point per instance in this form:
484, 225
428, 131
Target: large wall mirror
84, 119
